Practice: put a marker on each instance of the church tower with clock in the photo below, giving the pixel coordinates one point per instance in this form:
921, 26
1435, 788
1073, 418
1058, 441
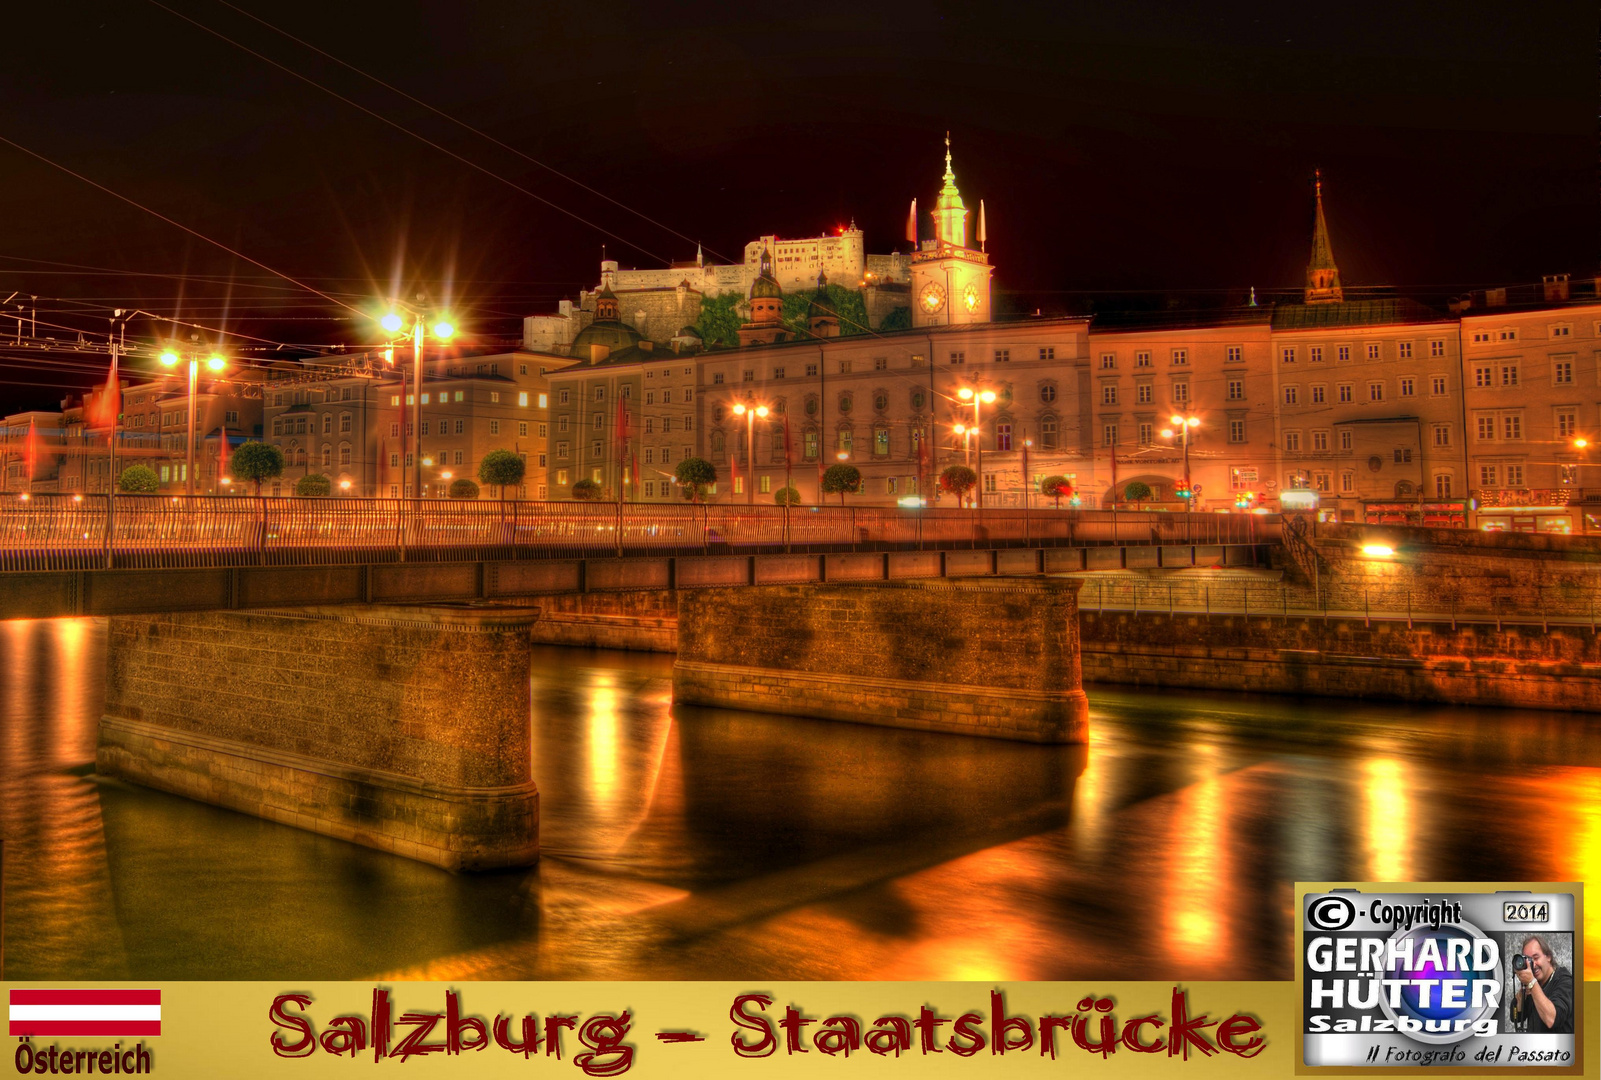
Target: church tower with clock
950, 280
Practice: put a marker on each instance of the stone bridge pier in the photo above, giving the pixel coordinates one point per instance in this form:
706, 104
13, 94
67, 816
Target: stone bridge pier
402, 728
996, 658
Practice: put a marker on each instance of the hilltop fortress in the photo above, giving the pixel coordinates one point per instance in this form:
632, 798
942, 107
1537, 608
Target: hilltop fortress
941, 280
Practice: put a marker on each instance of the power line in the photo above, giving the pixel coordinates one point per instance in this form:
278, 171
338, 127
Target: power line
177, 224
401, 128
468, 127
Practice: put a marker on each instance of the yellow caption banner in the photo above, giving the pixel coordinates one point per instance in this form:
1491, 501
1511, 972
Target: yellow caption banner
645, 1029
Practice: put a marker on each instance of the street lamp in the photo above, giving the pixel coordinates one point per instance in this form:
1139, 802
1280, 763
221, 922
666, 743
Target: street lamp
213, 363
750, 414
978, 397
1183, 424
444, 331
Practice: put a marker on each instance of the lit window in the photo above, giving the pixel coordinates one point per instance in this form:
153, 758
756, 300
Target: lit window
522, 398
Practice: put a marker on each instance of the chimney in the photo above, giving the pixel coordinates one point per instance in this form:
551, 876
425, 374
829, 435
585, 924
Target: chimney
1555, 287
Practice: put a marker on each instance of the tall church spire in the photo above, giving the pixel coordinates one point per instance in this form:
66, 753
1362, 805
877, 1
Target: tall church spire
1322, 275
950, 213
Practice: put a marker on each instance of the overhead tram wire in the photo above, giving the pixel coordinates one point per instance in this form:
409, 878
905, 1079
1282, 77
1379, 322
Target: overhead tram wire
468, 127
179, 225
405, 130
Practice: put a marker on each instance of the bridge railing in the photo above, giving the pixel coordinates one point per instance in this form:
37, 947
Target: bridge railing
66, 532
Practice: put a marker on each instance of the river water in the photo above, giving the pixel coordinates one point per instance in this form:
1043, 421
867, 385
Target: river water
690, 843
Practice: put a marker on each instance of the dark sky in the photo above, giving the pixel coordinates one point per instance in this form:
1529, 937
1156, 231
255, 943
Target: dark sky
1120, 148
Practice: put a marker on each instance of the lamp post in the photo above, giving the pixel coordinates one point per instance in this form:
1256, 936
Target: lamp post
1183, 424
443, 330
750, 414
978, 398
213, 363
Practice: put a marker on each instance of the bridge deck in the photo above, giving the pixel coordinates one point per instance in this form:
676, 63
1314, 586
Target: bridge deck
59, 593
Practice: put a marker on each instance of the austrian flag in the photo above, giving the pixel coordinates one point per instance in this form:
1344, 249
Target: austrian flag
92, 1013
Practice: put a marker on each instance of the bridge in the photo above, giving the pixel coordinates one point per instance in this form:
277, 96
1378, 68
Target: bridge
66, 555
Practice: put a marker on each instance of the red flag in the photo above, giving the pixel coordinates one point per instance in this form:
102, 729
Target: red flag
787, 458
85, 1013
733, 467
911, 225
108, 405
222, 455
30, 451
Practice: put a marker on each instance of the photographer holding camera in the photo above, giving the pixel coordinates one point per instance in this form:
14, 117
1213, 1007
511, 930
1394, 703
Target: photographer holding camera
1544, 1001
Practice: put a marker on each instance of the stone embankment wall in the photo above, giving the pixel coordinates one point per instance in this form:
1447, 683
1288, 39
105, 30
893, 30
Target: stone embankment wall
997, 658
1458, 570
1521, 666
642, 621
401, 728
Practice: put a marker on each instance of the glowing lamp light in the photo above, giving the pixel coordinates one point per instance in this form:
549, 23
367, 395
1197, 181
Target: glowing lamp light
391, 322
23, 496
344, 485
960, 429
446, 475
1581, 443
77, 498
1194, 421
739, 410
1176, 420
987, 397
216, 363
169, 358
761, 410
1167, 433
444, 331
965, 394
843, 455
1377, 551
427, 461
226, 481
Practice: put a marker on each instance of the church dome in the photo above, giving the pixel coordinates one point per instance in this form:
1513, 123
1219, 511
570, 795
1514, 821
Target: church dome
766, 286
610, 334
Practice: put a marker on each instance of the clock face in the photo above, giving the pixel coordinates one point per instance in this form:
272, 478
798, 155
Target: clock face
933, 296
970, 297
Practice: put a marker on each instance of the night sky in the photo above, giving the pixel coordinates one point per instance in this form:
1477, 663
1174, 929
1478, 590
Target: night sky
1132, 149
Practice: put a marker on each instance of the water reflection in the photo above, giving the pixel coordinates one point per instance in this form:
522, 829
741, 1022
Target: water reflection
696, 843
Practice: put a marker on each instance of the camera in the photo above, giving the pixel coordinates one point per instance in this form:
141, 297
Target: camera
1521, 962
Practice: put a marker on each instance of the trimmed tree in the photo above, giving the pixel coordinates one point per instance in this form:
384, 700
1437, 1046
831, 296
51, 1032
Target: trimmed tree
1136, 492
695, 475
138, 480
501, 469
842, 480
586, 491
314, 485
786, 496
256, 462
462, 489
958, 480
1056, 487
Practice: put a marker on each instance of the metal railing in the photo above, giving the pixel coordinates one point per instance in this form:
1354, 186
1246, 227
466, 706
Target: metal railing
66, 532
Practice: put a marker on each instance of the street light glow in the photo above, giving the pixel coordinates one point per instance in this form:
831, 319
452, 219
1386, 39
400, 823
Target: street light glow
739, 409
1194, 421
444, 331
1176, 420
965, 394
391, 322
960, 429
761, 410
1581, 443
1167, 433
169, 358
1378, 551
987, 397
216, 363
